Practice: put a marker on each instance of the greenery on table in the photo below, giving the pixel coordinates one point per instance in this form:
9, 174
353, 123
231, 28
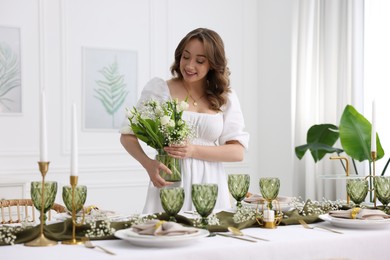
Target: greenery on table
103, 229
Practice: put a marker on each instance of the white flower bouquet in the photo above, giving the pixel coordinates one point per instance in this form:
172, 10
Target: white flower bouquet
160, 124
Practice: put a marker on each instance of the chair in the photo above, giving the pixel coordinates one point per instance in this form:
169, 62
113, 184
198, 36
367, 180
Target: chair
25, 210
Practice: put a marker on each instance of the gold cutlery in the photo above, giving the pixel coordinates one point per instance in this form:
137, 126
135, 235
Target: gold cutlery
232, 236
238, 232
305, 225
88, 244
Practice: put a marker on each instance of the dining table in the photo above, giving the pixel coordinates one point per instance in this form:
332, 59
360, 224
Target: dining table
284, 242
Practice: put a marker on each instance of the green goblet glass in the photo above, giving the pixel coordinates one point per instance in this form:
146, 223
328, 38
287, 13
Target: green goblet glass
204, 197
269, 188
50, 193
172, 200
80, 195
382, 190
357, 190
238, 186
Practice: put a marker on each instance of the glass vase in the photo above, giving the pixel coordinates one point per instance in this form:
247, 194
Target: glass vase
172, 163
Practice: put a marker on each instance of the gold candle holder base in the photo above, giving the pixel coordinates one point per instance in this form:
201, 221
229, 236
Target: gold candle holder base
271, 225
261, 220
74, 241
41, 240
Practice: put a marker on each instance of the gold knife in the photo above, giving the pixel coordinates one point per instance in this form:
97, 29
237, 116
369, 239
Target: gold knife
241, 238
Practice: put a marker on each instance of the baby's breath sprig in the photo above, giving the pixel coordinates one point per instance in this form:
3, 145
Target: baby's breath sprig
244, 213
312, 207
212, 220
99, 228
8, 234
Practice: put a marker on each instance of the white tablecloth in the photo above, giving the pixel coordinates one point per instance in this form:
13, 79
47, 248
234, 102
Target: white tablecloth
286, 242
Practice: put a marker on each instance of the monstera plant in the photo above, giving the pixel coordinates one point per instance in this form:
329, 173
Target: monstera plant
354, 132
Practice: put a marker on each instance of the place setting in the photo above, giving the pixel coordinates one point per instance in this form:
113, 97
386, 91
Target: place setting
361, 216
163, 233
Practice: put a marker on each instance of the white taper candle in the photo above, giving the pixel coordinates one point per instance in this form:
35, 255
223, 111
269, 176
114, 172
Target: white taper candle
373, 128
74, 148
43, 131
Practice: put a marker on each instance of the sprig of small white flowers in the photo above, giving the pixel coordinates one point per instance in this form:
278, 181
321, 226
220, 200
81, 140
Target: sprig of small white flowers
244, 213
99, 230
312, 207
212, 220
8, 234
102, 227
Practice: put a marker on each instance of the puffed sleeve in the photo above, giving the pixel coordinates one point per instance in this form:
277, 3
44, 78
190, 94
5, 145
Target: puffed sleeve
156, 89
233, 127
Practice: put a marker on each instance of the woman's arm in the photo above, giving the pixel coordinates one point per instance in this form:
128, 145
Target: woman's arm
153, 167
232, 151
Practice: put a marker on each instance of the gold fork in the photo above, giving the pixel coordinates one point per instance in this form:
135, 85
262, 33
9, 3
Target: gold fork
305, 225
88, 244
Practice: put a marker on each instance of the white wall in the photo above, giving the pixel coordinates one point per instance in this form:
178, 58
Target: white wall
257, 37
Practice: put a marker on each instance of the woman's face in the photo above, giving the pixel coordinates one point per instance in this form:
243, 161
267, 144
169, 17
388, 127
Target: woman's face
194, 65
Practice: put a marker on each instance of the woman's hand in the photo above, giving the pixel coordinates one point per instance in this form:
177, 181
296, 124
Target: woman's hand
153, 168
180, 152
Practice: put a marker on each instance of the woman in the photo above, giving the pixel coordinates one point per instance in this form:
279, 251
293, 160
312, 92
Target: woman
200, 74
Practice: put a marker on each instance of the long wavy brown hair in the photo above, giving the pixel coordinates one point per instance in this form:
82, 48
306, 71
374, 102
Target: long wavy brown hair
218, 82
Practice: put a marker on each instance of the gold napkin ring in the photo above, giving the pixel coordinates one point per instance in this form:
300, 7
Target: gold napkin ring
158, 224
354, 212
90, 208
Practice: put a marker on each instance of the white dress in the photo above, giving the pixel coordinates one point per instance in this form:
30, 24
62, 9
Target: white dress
212, 129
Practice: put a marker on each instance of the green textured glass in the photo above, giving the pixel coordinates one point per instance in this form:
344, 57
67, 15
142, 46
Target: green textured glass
80, 195
204, 197
269, 188
357, 190
50, 193
382, 190
172, 163
238, 186
172, 200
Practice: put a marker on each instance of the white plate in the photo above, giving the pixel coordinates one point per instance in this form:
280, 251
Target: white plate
356, 223
159, 241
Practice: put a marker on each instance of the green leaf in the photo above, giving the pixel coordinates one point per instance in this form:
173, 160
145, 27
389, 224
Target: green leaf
320, 139
355, 135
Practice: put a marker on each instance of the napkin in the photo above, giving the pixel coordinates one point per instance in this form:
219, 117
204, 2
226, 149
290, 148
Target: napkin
358, 213
256, 198
162, 228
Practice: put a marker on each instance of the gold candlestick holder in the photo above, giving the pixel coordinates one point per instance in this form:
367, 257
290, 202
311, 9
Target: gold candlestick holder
41, 240
373, 157
264, 221
74, 241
